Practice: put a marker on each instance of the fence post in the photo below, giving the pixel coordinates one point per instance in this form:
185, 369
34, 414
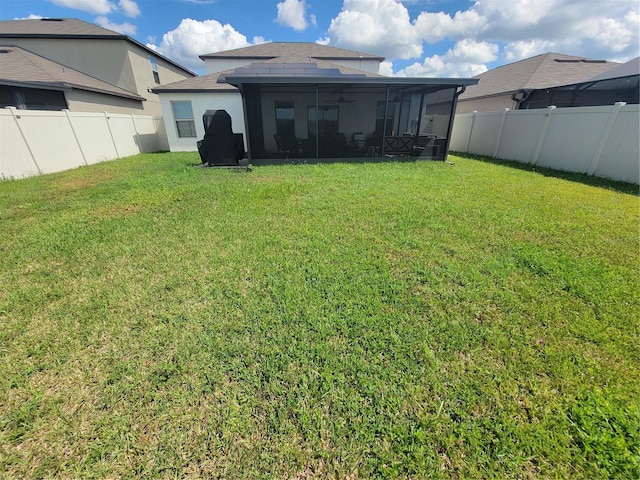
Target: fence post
75, 135
504, 116
24, 138
473, 121
113, 140
543, 132
613, 114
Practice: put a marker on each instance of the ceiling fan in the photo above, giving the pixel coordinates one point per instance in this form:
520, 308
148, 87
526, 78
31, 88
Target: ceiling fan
341, 99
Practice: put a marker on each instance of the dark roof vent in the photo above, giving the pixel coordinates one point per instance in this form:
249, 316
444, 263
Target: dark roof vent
577, 60
5, 50
52, 19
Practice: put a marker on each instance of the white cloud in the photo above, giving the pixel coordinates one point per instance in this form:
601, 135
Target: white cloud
193, 38
32, 16
466, 59
101, 7
472, 51
486, 31
386, 68
124, 28
291, 13
381, 26
129, 8
438, 66
514, 51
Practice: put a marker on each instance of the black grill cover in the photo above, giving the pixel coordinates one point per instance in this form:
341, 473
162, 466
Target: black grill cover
220, 145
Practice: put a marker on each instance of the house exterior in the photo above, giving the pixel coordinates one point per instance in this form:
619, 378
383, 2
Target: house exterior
64, 49
304, 101
508, 86
31, 82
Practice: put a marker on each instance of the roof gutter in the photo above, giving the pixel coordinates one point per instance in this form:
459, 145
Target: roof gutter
452, 116
65, 87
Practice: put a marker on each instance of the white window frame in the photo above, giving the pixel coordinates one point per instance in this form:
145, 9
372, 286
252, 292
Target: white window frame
185, 126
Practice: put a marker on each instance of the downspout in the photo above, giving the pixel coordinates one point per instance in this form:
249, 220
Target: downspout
317, 121
454, 105
384, 122
246, 122
400, 115
517, 101
419, 126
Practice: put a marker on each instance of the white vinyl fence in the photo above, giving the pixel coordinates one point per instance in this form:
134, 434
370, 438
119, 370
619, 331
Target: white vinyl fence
603, 141
34, 141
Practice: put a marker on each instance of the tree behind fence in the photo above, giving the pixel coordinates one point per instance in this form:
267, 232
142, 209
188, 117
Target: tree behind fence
601, 141
34, 142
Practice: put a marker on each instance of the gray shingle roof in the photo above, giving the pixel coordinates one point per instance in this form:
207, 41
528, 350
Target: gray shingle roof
203, 83
21, 67
541, 71
292, 49
61, 27
632, 67
277, 65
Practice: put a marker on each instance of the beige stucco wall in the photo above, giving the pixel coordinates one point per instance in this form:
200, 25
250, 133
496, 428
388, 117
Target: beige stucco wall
117, 62
489, 104
83, 101
366, 65
214, 65
143, 75
201, 102
106, 60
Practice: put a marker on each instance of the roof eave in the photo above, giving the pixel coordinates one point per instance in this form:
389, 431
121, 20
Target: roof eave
236, 57
195, 90
65, 86
39, 85
290, 80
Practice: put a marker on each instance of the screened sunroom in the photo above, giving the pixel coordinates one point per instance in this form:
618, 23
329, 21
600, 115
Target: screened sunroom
301, 112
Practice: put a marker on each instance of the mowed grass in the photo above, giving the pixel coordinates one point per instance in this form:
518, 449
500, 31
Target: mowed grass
382, 320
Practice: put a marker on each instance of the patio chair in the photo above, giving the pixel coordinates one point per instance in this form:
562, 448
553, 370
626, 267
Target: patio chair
286, 144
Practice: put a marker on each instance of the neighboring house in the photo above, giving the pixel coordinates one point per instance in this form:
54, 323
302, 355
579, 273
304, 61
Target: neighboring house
507, 86
311, 101
31, 82
63, 49
619, 84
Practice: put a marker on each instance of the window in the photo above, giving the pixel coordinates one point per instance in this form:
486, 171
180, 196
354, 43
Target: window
183, 115
380, 120
31, 98
326, 119
285, 119
154, 69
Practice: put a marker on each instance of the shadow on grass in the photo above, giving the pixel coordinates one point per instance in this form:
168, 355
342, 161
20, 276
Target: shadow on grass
618, 186
264, 162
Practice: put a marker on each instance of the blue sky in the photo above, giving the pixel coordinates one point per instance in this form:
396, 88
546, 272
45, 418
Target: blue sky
437, 38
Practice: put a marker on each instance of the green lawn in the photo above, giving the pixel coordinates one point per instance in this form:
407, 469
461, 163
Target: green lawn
381, 320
